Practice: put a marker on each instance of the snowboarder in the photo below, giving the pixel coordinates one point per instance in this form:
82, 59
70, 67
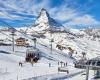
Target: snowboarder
66, 63
58, 63
67, 71
61, 63
49, 64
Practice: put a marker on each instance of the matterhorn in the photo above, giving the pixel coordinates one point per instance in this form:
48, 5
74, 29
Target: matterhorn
45, 23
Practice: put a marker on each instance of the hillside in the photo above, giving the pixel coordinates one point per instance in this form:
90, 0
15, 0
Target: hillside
55, 43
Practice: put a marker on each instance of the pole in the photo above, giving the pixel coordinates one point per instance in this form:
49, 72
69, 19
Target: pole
17, 77
13, 46
87, 72
51, 39
51, 46
35, 43
13, 41
13, 34
35, 40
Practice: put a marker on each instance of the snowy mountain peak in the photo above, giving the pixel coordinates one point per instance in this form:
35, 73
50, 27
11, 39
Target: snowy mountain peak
45, 22
44, 13
43, 17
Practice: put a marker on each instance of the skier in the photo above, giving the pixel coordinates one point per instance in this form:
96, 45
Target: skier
20, 64
66, 63
49, 64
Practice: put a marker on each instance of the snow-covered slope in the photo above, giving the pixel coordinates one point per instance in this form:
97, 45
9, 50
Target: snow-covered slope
94, 34
66, 39
78, 40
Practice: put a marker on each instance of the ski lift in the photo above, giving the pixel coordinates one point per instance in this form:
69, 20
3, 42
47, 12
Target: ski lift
32, 55
94, 64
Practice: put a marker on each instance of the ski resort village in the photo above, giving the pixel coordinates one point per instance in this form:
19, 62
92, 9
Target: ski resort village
47, 49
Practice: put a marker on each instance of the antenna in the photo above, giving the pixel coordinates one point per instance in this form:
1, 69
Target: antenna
51, 38
87, 72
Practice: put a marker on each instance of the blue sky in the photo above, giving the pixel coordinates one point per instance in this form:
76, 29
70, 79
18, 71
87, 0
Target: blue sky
19, 13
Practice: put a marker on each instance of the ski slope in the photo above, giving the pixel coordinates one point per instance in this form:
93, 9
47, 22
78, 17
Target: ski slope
79, 40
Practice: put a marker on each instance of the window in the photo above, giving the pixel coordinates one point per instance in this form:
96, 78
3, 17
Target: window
98, 63
93, 62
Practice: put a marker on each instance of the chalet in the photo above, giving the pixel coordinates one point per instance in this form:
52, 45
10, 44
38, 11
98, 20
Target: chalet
21, 42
